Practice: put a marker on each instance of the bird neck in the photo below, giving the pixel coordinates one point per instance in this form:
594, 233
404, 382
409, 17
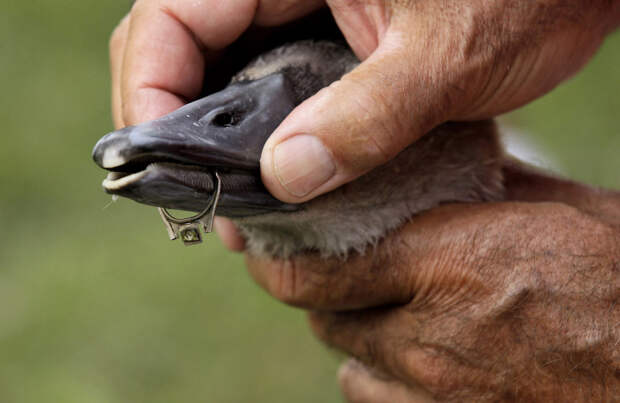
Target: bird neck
456, 162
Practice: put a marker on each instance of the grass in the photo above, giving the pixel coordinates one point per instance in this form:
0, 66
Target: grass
96, 305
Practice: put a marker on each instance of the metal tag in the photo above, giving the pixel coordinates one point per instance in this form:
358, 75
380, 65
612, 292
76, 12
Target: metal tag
188, 229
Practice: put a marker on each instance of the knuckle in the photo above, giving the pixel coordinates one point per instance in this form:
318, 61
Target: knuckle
117, 39
289, 284
281, 284
368, 132
384, 115
304, 282
348, 375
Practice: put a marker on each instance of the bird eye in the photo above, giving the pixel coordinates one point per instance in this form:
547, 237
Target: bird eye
227, 119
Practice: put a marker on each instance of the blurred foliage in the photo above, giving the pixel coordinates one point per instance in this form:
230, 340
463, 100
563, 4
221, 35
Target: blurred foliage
96, 305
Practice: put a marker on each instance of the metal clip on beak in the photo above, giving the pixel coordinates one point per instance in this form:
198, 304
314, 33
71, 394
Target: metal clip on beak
188, 229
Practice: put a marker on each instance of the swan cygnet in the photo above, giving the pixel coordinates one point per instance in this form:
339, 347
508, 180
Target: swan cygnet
169, 162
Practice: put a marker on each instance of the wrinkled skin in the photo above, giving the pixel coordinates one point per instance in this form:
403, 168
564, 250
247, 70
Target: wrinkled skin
506, 301
511, 301
425, 62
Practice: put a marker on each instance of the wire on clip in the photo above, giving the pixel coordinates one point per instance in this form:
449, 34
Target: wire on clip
188, 229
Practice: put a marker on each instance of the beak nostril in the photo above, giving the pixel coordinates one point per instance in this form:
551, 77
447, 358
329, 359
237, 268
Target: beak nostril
227, 119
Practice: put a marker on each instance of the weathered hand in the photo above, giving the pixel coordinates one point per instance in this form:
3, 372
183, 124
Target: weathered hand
513, 301
159, 51
425, 62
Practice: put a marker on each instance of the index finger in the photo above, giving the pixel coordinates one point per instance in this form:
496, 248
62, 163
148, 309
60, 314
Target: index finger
168, 41
163, 65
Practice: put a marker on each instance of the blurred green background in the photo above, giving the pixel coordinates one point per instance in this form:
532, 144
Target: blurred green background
96, 305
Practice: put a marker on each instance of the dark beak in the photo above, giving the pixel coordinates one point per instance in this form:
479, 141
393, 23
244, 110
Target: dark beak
169, 162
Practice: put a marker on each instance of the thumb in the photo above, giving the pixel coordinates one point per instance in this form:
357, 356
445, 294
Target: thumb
350, 127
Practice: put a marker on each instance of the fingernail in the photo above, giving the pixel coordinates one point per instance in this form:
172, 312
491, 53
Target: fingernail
302, 164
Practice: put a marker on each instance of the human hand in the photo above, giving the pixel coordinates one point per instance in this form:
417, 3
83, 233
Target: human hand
425, 63
159, 51
510, 301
